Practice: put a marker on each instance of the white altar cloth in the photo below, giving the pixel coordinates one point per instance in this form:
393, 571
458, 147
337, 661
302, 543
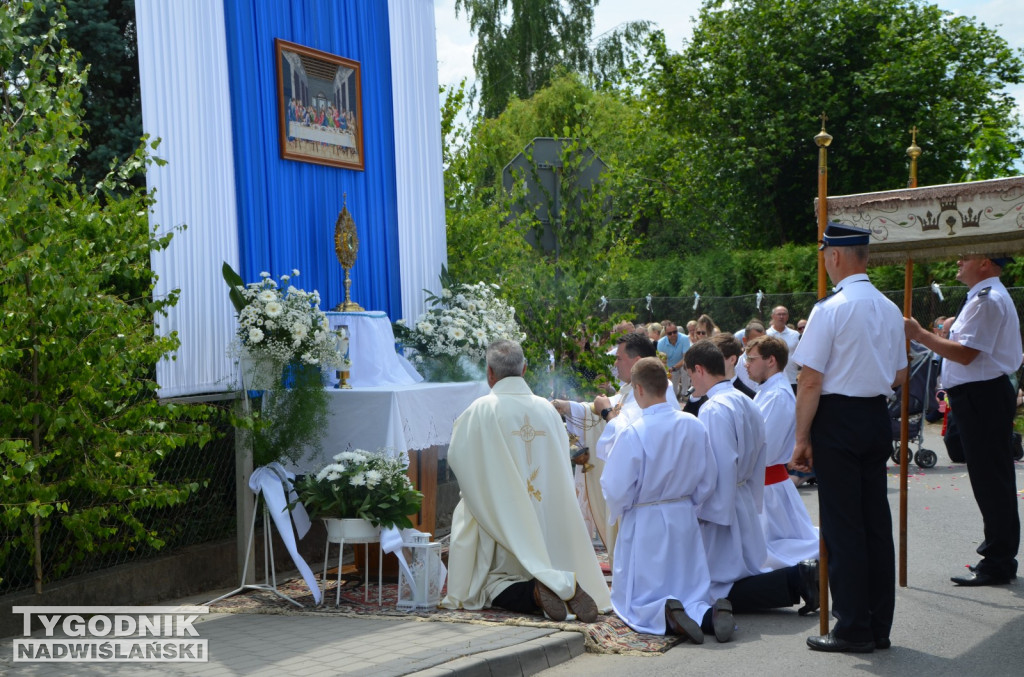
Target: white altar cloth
416, 416
371, 350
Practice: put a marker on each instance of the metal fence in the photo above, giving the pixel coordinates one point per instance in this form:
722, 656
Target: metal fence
208, 515
732, 313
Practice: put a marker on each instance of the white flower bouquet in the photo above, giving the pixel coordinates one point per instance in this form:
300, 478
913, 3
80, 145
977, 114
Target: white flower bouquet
362, 484
450, 339
284, 324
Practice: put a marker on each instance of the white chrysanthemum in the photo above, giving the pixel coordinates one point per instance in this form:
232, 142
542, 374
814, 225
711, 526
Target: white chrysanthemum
255, 335
295, 272
425, 327
299, 331
480, 335
264, 274
285, 278
446, 293
358, 480
373, 477
457, 333
266, 296
273, 309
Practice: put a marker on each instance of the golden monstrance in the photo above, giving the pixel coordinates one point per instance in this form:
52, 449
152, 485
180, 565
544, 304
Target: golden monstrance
346, 246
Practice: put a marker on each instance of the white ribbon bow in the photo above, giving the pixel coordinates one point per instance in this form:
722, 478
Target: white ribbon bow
760, 297
271, 480
393, 540
696, 300
938, 290
604, 303
649, 301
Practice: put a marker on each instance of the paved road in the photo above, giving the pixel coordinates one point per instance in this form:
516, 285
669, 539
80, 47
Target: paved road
939, 629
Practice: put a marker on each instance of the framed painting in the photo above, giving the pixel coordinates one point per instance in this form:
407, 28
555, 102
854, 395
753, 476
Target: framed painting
319, 106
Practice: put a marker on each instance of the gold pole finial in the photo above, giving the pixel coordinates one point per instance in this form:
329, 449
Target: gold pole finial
823, 138
914, 151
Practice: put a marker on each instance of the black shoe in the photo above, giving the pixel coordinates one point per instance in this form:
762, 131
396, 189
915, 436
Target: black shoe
835, 644
808, 586
722, 620
882, 643
681, 624
978, 578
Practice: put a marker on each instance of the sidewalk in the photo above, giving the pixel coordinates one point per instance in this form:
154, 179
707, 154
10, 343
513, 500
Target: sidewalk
311, 646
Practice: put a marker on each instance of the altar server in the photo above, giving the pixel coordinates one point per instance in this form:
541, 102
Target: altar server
790, 536
660, 468
596, 426
518, 540
730, 524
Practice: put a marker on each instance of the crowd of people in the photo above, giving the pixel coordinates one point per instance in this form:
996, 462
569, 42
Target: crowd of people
686, 476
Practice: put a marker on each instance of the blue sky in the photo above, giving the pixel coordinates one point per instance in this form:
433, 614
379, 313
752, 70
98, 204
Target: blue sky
455, 43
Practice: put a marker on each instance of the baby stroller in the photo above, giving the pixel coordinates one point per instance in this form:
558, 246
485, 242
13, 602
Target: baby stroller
923, 376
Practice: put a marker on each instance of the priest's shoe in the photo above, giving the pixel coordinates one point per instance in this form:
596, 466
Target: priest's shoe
551, 603
583, 606
832, 643
976, 578
681, 624
807, 571
722, 620
882, 643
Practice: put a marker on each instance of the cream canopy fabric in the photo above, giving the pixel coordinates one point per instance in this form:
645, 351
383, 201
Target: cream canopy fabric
980, 217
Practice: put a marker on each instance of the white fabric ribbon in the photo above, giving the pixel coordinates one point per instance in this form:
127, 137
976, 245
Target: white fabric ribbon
604, 303
760, 297
938, 290
649, 297
271, 480
696, 300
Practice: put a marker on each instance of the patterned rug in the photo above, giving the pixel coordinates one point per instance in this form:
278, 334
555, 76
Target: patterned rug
607, 635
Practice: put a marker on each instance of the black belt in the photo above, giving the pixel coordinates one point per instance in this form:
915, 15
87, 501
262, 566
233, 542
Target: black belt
835, 396
971, 385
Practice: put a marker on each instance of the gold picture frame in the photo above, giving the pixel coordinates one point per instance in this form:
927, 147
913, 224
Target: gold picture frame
319, 106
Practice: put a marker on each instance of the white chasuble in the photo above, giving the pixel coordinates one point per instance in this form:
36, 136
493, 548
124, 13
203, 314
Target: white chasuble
789, 534
660, 469
518, 518
730, 518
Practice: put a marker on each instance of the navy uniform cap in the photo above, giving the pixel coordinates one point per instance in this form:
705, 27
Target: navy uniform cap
841, 235
1001, 261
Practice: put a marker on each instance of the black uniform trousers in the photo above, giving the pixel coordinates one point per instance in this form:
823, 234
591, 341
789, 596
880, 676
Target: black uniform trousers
984, 414
851, 440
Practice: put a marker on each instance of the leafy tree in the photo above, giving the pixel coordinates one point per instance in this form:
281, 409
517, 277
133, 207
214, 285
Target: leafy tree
744, 96
103, 32
80, 427
518, 57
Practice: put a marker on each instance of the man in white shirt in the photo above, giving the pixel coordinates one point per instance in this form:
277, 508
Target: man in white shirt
780, 316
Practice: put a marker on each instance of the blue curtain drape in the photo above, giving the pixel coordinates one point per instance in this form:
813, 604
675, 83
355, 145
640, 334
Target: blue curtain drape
287, 209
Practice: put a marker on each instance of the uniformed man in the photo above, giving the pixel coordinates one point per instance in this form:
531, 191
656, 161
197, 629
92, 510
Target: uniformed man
852, 352
984, 345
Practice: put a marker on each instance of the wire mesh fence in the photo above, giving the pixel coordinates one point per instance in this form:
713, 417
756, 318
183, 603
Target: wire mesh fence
207, 515
732, 313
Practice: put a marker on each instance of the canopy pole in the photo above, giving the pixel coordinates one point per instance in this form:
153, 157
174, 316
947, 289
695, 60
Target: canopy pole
822, 139
914, 151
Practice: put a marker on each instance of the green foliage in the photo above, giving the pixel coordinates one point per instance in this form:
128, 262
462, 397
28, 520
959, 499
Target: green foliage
80, 425
289, 419
744, 96
103, 33
521, 44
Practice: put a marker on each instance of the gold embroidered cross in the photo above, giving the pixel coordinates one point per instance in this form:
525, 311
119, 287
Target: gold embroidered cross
527, 433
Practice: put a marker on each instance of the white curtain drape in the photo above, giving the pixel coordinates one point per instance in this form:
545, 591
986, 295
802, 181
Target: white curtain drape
422, 239
185, 102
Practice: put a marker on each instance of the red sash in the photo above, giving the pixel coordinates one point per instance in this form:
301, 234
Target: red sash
774, 474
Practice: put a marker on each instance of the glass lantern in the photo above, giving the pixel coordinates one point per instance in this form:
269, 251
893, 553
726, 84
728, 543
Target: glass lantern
421, 587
